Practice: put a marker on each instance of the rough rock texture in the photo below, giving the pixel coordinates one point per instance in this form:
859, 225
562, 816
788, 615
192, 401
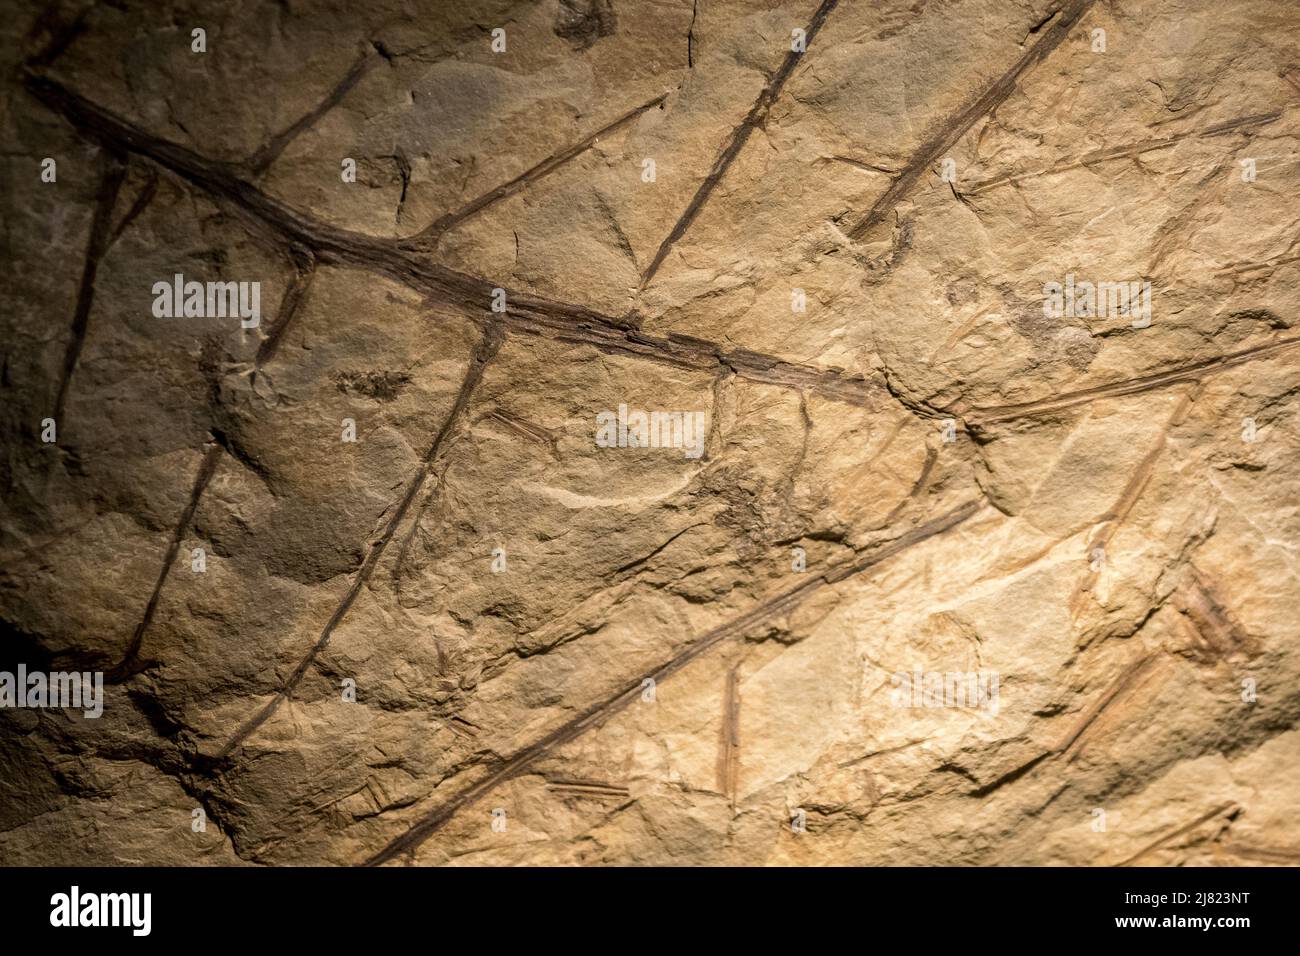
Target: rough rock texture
1074, 503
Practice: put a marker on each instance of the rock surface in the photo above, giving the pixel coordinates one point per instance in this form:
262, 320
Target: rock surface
474, 635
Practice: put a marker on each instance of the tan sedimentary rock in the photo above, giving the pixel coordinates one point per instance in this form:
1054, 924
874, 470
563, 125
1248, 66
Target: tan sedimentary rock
822, 233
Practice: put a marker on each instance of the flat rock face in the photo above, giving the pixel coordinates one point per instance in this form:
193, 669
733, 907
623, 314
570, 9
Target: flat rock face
689, 432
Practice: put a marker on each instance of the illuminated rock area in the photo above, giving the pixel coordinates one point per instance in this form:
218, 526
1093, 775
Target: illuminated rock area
680, 432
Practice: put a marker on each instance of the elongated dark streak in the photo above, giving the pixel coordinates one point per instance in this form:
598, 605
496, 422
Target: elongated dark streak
690, 36
1124, 152
1144, 383
1181, 831
408, 265
544, 168
130, 661
488, 348
142, 201
757, 116
602, 711
260, 161
293, 298
109, 186
102, 238
933, 149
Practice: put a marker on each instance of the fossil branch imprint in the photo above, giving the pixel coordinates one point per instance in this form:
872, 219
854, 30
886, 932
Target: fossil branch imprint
598, 432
